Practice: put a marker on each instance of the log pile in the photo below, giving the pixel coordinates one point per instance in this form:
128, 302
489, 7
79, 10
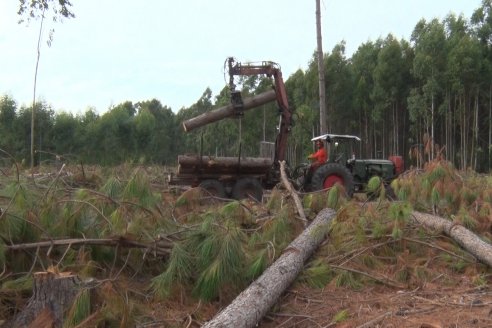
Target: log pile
193, 164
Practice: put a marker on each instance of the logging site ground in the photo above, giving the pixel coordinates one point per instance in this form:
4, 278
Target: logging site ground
142, 253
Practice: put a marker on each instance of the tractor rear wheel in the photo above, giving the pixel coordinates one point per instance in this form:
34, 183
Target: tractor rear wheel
214, 187
326, 176
247, 187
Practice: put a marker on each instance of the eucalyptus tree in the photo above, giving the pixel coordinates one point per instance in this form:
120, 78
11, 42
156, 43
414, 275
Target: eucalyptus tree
482, 23
156, 132
113, 137
464, 66
42, 136
339, 82
364, 61
64, 135
86, 136
305, 117
429, 66
38, 9
8, 109
192, 141
388, 94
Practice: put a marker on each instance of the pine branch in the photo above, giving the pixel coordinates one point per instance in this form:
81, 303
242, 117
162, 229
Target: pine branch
160, 247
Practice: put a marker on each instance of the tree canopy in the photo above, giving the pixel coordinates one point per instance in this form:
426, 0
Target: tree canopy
423, 98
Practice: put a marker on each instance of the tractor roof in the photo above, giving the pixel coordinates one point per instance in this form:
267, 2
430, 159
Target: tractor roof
329, 137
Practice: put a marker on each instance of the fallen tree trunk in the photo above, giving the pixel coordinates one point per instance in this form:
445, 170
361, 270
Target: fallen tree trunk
228, 111
464, 237
255, 301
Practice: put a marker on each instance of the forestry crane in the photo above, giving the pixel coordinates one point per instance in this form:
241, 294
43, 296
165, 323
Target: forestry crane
242, 177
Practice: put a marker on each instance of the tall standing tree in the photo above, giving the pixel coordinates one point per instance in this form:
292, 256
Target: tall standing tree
34, 9
482, 24
428, 67
321, 71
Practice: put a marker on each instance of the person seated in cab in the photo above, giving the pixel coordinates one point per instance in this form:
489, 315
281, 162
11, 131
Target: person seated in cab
319, 157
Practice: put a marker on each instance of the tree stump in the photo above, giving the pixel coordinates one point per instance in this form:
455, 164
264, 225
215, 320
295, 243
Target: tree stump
53, 295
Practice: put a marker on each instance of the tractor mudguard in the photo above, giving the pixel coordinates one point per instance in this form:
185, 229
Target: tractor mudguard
327, 175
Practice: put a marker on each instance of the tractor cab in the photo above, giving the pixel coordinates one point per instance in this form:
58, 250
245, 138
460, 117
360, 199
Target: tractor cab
341, 148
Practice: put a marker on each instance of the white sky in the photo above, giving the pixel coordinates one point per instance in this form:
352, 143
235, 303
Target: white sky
118, 50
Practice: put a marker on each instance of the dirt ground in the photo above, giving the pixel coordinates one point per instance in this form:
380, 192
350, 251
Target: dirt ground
430, 306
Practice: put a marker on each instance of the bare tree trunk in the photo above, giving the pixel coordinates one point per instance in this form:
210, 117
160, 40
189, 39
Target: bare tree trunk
255, 301
464, 237
34, 89
490, 125
321, 72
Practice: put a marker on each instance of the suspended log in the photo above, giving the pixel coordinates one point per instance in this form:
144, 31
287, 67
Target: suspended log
228, 111
464, 237
189, 164
53, 295
255, 301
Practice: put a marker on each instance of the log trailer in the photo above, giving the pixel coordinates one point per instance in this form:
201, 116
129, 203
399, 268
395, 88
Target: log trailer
241, 177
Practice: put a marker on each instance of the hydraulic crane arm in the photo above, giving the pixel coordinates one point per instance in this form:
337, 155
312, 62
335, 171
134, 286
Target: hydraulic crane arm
270, 69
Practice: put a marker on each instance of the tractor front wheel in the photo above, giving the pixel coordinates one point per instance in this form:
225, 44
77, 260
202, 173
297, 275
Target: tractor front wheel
326, 176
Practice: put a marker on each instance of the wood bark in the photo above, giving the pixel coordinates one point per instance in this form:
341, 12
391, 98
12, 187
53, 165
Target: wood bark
464, 237
53, 295
159, 247
255, 301
189, 164
293, 194
228, 111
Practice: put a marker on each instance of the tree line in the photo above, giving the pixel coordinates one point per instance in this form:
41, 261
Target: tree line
424, 98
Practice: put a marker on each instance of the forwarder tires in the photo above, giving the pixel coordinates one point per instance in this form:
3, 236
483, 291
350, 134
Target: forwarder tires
247, 188
326, 176
214, 187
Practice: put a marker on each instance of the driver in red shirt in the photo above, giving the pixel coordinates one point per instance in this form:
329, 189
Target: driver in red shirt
320, 156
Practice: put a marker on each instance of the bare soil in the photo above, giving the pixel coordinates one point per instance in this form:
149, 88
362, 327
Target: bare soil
451, 300
430, 306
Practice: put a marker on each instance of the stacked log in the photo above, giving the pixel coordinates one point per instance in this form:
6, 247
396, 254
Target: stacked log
192, 164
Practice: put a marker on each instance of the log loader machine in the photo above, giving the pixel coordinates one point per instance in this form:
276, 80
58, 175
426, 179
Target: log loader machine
241, 177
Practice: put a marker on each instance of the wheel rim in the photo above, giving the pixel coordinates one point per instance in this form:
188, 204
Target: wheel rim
331, 180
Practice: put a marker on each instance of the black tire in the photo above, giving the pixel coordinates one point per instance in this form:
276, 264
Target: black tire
214, 187
246, 188
329, 174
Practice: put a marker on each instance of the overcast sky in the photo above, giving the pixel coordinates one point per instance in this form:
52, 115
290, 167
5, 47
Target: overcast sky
118, 50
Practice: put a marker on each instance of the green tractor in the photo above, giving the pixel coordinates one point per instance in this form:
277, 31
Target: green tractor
343, 167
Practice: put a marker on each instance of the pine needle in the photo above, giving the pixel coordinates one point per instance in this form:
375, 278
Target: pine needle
318, 274
80, 309
258, 265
